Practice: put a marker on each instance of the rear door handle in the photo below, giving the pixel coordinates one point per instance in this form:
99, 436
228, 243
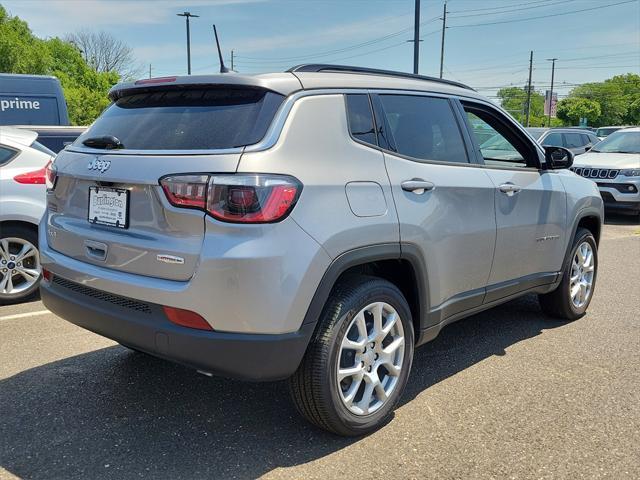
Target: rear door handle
417, 186
509, 188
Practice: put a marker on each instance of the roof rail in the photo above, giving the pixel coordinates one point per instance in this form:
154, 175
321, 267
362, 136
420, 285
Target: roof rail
321, 67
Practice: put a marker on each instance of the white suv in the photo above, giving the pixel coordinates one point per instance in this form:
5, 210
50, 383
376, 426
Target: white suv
23, 163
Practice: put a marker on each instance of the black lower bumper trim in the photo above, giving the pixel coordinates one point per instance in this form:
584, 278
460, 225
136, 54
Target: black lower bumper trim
610, 203
236, 355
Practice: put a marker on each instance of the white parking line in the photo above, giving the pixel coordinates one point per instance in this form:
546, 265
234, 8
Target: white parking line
24, 315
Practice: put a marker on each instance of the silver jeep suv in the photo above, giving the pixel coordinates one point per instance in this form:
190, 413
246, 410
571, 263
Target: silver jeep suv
316, 225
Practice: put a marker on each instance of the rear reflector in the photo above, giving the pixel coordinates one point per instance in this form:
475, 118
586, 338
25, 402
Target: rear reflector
186, 318
47, 275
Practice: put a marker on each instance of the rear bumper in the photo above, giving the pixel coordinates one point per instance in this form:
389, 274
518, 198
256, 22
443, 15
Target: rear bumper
144, 326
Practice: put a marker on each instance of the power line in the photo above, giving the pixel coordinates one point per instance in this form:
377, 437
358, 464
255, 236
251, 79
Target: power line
515, 20
504, 6
340, 50
515, 9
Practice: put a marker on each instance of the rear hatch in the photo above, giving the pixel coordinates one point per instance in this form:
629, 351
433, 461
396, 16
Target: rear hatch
107, 207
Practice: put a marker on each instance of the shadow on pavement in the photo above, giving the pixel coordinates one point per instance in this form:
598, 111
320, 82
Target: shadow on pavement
112, 413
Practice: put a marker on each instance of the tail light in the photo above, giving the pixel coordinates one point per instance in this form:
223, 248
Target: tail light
37, 177
51, 175
42, 176
241, 198
186, 190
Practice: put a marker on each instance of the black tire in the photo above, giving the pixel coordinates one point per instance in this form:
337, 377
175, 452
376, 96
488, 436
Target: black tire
314, 386
30, 234
558, 303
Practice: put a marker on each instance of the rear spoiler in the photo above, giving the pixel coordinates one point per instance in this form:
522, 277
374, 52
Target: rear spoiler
281, 83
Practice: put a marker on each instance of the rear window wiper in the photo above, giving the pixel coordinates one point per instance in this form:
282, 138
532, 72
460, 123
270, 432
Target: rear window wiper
106, 142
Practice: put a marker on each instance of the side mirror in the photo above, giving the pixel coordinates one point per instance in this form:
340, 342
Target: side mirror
558, 158
587, 148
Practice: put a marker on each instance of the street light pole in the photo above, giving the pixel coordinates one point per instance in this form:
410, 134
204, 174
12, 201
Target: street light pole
188, 15
553, 70
444, 27
416, 38
529, 89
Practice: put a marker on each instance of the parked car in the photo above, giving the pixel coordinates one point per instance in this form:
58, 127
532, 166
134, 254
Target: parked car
55, 138
315, 225
23, 162
614, 164
604, 132
576, 140
31, 100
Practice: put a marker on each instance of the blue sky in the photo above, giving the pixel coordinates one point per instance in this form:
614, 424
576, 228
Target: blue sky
271, 35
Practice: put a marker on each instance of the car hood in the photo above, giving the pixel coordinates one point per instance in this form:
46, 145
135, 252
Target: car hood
608, 160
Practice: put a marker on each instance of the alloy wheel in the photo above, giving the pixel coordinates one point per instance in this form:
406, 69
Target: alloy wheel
20, 266
582, 273
371, 358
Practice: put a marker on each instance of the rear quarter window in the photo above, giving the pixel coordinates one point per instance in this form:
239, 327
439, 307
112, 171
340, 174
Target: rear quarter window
194, 119
360, 118
6, 155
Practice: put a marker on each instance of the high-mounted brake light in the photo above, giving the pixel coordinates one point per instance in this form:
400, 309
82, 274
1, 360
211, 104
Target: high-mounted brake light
37, 177
150, 81
241, 198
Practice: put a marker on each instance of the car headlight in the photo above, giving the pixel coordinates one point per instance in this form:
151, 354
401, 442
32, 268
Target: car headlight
630, 172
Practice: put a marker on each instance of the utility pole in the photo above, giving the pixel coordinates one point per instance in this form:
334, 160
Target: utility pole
529, 89
444, 27
187, 16
416, 38
149, 70
553, 70
232, 59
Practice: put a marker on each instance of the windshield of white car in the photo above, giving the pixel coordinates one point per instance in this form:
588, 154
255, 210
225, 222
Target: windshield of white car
619, 142
605, 131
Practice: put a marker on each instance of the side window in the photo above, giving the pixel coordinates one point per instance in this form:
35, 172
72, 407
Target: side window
6, 154
593, 139
573, 140
553, 139
424, 128
360, 118
499, 142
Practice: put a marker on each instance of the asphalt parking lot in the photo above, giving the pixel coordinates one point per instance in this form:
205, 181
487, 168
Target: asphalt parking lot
504, 394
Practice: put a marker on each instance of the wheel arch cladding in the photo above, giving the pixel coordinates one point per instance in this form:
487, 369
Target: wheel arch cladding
384, 261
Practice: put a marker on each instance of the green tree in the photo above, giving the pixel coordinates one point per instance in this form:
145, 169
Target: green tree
633, 113
85, 89
572, 109
514, 100
610, 96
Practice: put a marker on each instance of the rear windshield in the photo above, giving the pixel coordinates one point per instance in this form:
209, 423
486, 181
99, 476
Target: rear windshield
196, 119
41, 148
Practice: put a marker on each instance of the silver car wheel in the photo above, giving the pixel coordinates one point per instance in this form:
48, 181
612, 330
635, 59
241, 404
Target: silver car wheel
582, 272
371, 358
20, 266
